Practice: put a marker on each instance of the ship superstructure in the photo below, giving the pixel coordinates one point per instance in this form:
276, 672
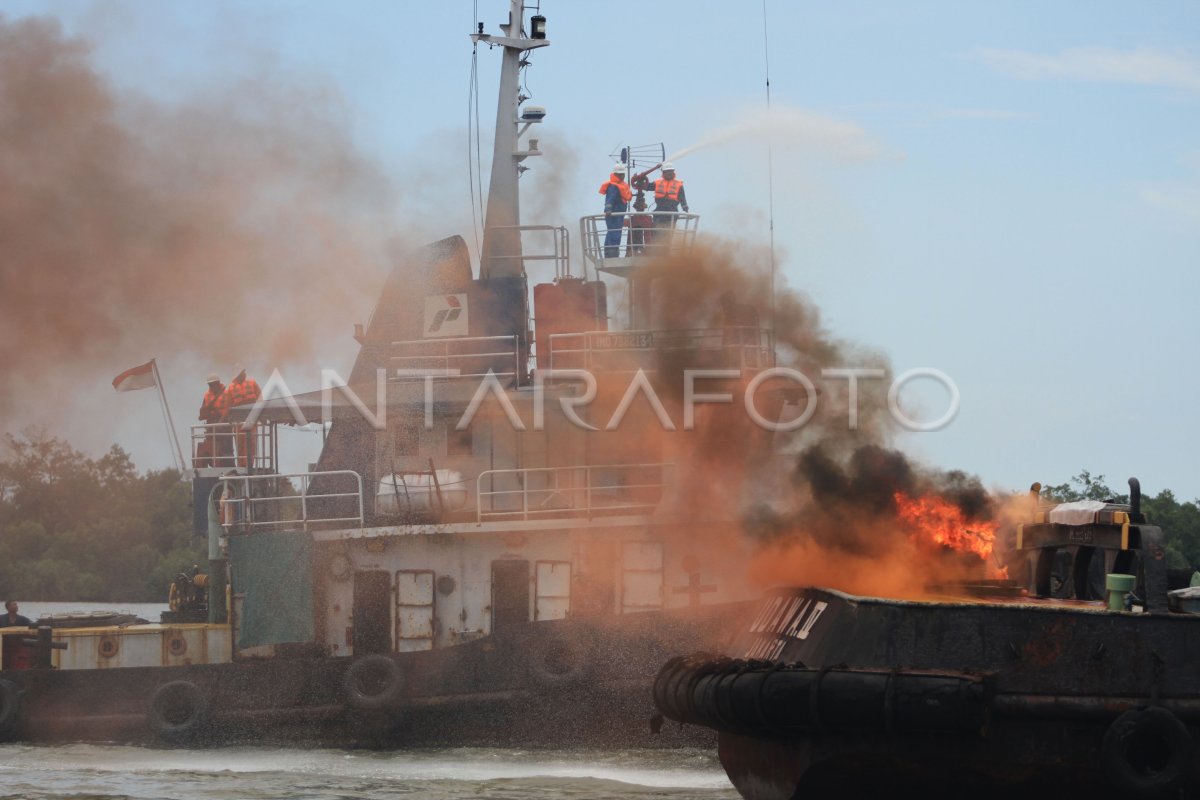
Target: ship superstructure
498, 514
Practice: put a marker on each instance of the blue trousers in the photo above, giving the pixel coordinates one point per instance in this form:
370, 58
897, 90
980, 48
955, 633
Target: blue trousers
612, 239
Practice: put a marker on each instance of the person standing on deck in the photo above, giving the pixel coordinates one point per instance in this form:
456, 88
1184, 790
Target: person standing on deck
215, 446
240, 391
12, 619
616, 202
668, 197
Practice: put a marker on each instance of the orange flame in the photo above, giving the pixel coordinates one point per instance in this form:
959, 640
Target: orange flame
937, 521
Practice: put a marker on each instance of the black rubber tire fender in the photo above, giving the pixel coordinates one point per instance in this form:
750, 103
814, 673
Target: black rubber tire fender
556, 661
179, 711
1147, 753
373, 683
10, 708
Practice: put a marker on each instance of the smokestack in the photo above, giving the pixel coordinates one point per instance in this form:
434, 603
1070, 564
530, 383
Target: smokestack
1135, 500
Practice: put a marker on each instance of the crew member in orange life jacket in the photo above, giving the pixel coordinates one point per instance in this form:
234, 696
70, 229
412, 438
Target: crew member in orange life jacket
668, 196
240, 391
616, 202
218, 444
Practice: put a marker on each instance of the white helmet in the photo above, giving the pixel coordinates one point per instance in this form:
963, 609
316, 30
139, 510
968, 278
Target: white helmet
619, 168
668, 166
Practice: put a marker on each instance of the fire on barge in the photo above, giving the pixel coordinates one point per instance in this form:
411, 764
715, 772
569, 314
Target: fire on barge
1039, 684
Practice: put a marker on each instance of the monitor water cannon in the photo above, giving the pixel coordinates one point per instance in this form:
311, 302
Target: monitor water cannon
639, 181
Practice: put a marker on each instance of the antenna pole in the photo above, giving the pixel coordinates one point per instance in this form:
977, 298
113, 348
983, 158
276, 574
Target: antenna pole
501, 253
172, 435
770, 164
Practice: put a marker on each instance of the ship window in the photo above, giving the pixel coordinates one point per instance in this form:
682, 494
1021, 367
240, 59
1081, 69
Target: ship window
458, 443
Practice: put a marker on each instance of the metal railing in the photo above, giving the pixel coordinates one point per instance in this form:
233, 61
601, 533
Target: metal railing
642, 234
732, 347
226, 445
565, 491
561, 239
250, 502
464, 356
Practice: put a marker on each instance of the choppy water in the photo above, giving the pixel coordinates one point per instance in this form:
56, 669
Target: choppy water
34, 609
84, 772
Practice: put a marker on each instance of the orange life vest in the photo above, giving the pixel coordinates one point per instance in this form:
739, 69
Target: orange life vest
626, 192
668, 189
239, 393
210, 409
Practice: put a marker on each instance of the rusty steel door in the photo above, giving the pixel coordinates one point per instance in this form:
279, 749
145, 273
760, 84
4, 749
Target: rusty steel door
414, 610
372, 612
552, 589
510, 593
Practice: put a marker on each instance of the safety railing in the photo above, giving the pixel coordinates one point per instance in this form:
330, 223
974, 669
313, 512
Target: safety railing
230, 446
272, 502
636, 234
590, 489
465, 356
731, 347
560, 240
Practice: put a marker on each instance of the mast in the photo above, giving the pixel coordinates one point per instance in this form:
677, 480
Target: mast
501, 254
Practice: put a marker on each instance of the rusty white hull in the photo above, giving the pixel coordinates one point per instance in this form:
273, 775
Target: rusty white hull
561, 682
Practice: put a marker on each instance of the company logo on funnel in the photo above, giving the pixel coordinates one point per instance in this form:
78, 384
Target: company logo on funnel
445, 315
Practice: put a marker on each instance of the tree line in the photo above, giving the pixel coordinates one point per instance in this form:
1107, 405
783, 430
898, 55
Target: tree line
80, 529
75, 528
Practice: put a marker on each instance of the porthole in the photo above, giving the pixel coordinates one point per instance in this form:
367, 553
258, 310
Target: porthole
108, 647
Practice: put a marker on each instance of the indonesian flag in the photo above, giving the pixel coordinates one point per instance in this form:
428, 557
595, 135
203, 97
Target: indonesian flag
139, 377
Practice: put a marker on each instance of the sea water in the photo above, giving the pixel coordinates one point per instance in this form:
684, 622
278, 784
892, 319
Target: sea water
34, 609
86, 771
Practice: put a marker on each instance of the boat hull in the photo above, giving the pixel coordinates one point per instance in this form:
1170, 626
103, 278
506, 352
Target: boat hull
567, 682
824, 692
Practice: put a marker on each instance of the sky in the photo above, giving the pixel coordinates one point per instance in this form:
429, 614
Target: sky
1008, 193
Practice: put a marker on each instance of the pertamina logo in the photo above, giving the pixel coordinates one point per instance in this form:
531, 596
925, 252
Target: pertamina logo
445, 315
448, 314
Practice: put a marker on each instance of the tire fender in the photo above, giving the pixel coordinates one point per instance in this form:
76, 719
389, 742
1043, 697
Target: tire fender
178, 712
373, 683
1147, 753
556, 661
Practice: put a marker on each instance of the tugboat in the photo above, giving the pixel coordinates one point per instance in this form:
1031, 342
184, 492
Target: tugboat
1040, 685
480, 555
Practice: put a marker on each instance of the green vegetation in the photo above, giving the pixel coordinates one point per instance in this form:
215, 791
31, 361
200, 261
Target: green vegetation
74, 528
1179, 521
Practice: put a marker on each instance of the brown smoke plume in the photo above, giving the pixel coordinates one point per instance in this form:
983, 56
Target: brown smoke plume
820, 505
217, 227
726, 286
728, 469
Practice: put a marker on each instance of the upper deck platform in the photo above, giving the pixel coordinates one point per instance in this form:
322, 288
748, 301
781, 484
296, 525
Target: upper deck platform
641, 237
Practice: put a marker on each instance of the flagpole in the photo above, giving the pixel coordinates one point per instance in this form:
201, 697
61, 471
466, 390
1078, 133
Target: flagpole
168, 419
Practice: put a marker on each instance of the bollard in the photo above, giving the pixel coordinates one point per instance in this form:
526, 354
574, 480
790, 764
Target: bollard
1118, 586
44, 644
